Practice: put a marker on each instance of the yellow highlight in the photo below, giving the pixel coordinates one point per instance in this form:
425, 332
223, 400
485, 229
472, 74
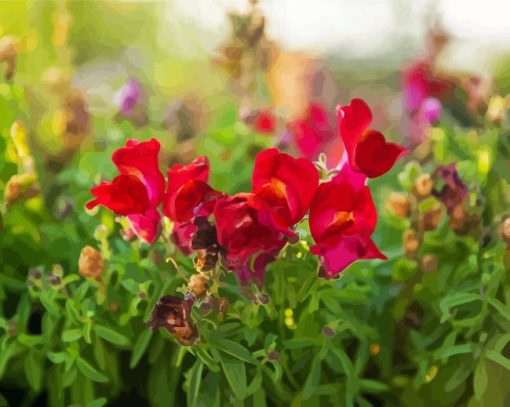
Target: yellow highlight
375, 349
484, 160
432, 372
19, 138
58, 122
288, 312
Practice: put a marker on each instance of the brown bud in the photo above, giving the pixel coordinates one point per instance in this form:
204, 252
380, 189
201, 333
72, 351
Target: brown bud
198, 285
223, 304
423, 186
430, 219
399, 204
411, 243
458, 216
90, 263
8, 53
428, 263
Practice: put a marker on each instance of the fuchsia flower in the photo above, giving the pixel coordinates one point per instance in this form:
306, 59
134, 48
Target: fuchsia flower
367, 150
137, 191
342, 219
283, 188
314, 134
129, 96
244, 237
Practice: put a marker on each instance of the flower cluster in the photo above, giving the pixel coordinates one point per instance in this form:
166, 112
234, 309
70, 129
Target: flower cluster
247, 230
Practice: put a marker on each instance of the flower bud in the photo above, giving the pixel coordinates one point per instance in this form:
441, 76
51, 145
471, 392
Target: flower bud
90, 263
8, 53
504, 230
428, 263
20, 186
198, 285
223, 304
264, 298
399, 204
423, 186
328, 332
430, 219
273, 356
411, 243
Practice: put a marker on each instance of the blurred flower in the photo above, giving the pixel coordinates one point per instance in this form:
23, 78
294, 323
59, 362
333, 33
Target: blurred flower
342, 219
184, 118
283, 189
8, 54
205, 241
450, 189
137, 191
313, 134
249, 244
429, 220
496, 109
423, 186
173, 314
261, 120
430, 110
90, 263
128, 96
410, 243
367, 150
504, 230
428, 263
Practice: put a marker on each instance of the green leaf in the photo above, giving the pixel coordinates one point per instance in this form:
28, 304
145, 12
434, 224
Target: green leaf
50, 305
71, 335
237, 350
111, 336
313, 379
235, 372
56, 357
373, 386
33, 371
140, 346
97, 402
194, 385
498, 358
90, 372
30, 340
480, 380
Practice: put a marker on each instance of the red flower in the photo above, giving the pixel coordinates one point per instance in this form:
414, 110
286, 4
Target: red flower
342, 219
283, 188
313, 134
244, 238
367, 150
188, 191
137, 191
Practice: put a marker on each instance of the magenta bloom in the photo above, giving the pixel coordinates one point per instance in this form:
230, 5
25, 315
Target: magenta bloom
129, 96
430, 110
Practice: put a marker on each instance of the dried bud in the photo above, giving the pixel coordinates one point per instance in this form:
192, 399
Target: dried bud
428, 263
411, 243
264, 298
458, 217
423, 186
273, 356
54, 280
20, 186
90, 263
173, 314
452, 190
198, 285
399, 204
206, 306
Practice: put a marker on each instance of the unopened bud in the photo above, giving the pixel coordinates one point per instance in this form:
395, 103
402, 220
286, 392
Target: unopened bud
223, 304
20, 186
264, 298
430, 219
90, 263
273, 356
428, 263
54, 280
423, 186
399, 204
328, 332
411, 243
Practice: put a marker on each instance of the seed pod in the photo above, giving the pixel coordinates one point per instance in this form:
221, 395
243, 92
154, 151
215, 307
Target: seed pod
399, 204
198, 285
423, 186
430, 219
90, 263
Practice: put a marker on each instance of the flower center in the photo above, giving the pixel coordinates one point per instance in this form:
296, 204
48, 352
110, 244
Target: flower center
343, 219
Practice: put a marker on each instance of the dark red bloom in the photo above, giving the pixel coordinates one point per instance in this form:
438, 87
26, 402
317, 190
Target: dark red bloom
173, 314
188, 191
283, 188
244, 238
367, 150
314, 134
137, 191
342, 219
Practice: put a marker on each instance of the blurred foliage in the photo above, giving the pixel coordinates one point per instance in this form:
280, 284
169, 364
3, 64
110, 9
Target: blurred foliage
403, 332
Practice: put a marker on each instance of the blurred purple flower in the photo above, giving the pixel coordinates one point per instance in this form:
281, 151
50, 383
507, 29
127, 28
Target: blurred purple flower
129, 96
